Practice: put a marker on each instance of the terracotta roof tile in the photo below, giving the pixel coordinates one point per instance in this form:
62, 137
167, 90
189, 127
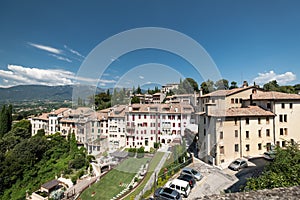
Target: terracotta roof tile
275, 95
250, 111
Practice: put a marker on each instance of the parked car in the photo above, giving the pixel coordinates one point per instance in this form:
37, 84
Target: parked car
190, 171
238, 164
166, 194
188, 178
180, 186
269, 155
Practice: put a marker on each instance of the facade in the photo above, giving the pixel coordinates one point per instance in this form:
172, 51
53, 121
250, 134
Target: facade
121, 126
245, 122
160, 123
169, 87
48, 121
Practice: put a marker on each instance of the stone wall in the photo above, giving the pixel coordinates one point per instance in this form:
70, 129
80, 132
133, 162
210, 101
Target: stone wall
277, 193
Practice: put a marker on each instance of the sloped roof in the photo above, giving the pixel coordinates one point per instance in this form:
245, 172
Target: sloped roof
250, 111
271, 95
161, 108
224, 93
43, 116
51, 184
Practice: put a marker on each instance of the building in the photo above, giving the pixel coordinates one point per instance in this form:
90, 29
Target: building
121, 126
169, 87
48, 121
155, 123
245, 122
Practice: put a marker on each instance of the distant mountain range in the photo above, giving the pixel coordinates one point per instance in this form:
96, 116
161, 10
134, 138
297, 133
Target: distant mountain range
43, 93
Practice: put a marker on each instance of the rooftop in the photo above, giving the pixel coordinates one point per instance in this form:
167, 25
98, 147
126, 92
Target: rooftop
250, 111
270, 95
51, 184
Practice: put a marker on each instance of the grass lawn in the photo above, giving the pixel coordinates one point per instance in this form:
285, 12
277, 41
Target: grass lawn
154, 162
109, 186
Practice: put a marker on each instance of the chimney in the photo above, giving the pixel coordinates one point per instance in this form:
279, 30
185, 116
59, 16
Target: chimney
245, 84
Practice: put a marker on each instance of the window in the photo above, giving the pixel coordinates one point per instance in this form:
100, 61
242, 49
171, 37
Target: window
241, 100
204, 120
281, 131
247, 120
278, 143
236, 147
280, 118
247, 134
204, 132
259, 133
269, 105
291, 105
236, 133
282, 105
285, 131
285, 118
221, 135
268, 132
267, 120
259, 121
236, 100
221, 149
259, 146
247, 147
232, 101
283, 143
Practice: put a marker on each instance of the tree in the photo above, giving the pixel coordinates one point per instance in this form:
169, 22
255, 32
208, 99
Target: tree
271, 86
139, 90
135, 99
282, 172
193, 84
233, 85
187, 86
222, 84
140, 152
207, 86
103, 100
5, 120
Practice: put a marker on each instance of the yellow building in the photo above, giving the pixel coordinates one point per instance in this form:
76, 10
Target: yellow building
245, 122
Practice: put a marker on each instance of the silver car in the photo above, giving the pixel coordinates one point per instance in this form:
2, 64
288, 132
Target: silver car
190, 171
238, 164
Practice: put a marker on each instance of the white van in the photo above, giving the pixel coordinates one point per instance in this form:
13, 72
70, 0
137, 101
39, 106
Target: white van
180, 186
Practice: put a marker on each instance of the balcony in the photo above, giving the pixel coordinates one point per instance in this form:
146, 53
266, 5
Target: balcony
130, 129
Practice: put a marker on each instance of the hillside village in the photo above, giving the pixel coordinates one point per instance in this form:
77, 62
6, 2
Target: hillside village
229, 124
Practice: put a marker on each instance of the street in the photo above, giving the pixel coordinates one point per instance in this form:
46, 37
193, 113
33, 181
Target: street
256, 166
216, 181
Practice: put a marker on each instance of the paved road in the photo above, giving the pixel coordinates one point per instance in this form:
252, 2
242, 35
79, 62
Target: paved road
214, 181
255, 169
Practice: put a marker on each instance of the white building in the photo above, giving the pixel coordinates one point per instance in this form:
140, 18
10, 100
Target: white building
161, 123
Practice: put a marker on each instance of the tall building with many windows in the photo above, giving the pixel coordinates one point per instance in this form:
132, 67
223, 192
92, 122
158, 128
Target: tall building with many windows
245, 122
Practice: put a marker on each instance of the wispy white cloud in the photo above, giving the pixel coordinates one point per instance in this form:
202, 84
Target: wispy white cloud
46, 48
61, 58
74, 51
19, 75
281, 79
141, 77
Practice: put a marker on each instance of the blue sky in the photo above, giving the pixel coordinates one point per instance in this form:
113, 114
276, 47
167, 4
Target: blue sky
46, 42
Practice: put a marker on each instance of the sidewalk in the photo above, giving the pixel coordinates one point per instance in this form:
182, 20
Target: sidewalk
150, 182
